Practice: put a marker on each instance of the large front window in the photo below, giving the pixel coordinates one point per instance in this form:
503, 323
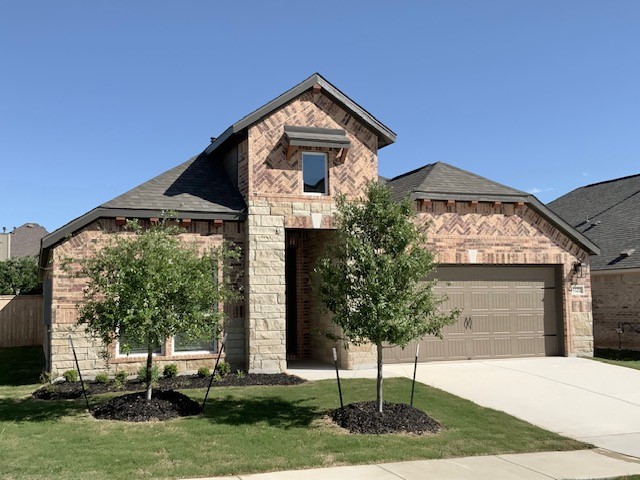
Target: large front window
314, 173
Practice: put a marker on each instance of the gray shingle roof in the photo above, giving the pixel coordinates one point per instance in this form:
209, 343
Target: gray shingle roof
608, 213
198, 185
443, 181
25, 240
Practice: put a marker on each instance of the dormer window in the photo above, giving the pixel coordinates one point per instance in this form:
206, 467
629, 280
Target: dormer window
314, 173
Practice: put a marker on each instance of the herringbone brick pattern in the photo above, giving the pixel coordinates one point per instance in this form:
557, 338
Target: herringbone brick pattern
270, 173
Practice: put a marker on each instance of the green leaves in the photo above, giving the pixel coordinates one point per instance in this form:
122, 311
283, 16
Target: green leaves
151, 285
19, 275
373, 278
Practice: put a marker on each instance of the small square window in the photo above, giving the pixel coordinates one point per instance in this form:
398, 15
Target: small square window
314, 173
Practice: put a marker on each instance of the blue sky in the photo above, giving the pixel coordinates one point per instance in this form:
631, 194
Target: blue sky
97, 97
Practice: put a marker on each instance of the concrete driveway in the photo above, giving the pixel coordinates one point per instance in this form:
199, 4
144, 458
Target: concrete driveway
579, 398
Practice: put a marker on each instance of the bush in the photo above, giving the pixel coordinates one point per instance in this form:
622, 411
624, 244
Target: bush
241, 374
155, 374
204, 372
46, 377
223, 368
102, 377
70, 376
121, 376
170, 370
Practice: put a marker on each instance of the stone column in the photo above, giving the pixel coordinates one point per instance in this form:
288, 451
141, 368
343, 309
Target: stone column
265, 290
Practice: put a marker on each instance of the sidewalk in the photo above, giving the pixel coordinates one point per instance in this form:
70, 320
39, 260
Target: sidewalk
581, 464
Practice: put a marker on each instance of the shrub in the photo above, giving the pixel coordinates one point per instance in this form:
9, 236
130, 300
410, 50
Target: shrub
46, 377
241, 374
223, 368
121, 376
155, 374
102, 377
170, 370
204, 372
70, 376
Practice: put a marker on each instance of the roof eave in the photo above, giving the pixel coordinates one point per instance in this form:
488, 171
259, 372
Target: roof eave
530, 200
101, 212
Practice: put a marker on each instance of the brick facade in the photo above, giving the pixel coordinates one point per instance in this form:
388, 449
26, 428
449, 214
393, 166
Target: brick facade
616, 302
276, 203
509, 235
66, 292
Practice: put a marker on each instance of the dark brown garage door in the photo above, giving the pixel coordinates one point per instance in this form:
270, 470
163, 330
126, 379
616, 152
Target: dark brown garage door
505, 312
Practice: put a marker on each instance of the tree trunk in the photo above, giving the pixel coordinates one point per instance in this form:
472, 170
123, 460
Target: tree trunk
379, 385
149, 368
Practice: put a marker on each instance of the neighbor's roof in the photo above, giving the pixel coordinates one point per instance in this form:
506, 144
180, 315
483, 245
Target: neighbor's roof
25, 240
608, 213
441, 181
199, 188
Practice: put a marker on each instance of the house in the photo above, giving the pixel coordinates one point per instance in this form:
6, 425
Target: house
23, 241
269, 182
608, 213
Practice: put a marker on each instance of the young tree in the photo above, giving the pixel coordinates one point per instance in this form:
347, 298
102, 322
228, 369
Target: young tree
150, 285
372, 279
19, 276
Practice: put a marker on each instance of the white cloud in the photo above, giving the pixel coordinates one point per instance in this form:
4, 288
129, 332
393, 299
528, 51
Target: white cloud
535, 190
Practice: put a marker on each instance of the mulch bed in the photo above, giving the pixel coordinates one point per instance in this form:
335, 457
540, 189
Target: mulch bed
364, 417
71, 390
133, 407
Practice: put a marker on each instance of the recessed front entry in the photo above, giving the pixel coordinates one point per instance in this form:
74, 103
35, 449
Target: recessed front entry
506, 311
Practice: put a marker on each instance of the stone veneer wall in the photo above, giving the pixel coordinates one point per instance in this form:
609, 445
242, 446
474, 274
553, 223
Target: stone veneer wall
276, 202
67, 292
510, 235
616, 299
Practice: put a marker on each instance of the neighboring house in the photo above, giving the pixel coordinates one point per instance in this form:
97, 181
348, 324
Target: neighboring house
608, 213
23, 241
5, 245
269, 183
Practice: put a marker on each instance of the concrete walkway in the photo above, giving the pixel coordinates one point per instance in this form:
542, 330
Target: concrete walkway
582, 464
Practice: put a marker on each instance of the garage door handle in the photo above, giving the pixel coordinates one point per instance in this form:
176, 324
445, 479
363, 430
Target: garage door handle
550, 335
468, 322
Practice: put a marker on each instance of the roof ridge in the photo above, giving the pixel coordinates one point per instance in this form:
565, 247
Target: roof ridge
482, 178
412, 171
608, 181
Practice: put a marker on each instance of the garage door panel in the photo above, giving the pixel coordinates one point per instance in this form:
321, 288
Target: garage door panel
503, 347
502, 324
506, 311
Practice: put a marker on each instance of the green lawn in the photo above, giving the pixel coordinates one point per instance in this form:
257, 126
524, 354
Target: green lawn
248, 429
623, 358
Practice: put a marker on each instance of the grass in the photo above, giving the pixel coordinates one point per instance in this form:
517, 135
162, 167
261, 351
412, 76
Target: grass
623, 358
247, 429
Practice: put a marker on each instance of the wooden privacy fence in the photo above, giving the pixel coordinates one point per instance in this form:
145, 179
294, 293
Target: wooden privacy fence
21, 320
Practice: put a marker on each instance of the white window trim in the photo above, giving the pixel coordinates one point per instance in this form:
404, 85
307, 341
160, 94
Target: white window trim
326, 174
137, 355
189, 352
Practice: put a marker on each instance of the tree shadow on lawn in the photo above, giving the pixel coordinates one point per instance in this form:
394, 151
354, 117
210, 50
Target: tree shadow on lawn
20, 365
32, 410
275, 411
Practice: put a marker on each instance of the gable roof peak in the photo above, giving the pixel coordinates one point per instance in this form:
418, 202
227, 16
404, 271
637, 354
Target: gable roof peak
385, 135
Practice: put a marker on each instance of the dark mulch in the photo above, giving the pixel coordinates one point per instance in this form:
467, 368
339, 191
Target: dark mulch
70, 390
364, 417
133, 407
